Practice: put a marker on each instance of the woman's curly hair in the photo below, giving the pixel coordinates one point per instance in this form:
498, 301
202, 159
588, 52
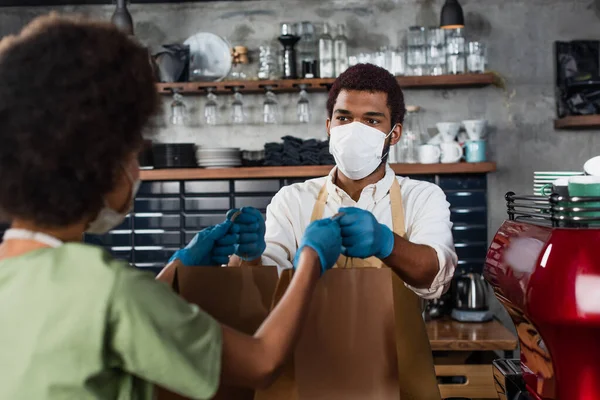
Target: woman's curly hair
75, 96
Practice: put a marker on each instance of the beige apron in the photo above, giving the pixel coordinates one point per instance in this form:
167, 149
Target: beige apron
416, 373
356, 321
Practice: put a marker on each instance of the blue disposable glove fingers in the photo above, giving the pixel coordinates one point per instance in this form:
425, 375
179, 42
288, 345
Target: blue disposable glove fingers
350, 215
252, 211
200, 248
228, 240
354, 241
386, 241
246, 218
357, 251
216, 232
357, 229
223, 251
324, 238
230, 214
253, 227
245, 238
249, 251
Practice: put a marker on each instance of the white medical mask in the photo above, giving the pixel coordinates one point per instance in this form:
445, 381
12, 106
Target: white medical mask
357, 149
108, 218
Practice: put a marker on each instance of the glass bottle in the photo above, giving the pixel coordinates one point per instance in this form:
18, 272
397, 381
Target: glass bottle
307, 50
340, 50
326, 64
408, 147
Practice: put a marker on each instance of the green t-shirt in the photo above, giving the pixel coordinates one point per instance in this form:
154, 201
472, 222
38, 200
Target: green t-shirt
77, 324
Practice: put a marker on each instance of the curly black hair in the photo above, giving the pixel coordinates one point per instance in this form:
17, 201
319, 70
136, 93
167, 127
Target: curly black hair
74, 100
370, 78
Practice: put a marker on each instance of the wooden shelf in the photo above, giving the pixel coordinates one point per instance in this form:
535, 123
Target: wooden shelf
322, 85
578, 122
305, 171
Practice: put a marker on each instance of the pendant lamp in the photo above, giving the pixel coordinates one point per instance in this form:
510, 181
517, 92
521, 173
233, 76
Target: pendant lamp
122, 18
452, 15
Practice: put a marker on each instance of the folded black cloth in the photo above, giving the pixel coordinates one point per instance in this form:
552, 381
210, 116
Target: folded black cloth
291, 161
295, 151
291, 151
273, 147
311, 144
292, 140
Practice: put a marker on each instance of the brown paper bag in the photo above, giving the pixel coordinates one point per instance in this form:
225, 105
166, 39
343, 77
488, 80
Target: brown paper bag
353, 339
240, 297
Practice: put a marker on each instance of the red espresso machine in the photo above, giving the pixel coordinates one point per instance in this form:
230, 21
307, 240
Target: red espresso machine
544, 267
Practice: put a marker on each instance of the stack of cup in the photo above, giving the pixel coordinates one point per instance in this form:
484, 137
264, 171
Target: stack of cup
475, 146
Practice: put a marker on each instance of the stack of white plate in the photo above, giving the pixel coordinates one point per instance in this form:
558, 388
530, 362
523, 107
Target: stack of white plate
543, 178
219, 157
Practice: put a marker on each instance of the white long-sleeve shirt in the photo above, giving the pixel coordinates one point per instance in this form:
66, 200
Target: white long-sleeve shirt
426, 213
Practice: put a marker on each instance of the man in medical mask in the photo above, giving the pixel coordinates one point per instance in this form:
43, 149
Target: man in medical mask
404, 223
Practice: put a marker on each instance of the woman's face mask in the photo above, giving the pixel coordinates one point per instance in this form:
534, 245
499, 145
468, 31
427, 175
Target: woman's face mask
357, 149
108, 218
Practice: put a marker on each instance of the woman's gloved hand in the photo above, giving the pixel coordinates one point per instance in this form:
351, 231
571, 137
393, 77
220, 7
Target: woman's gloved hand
250, 226
210, 246
363, 236
324, 237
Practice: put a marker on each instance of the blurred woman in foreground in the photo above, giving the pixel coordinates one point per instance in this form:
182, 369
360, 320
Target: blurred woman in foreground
77, 323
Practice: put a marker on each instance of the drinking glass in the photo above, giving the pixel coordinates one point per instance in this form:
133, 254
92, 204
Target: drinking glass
476, 58
436, 52
399, 62
179, 114
455, 51
211, 109
416, 55
270, 108
237, 108
303, 107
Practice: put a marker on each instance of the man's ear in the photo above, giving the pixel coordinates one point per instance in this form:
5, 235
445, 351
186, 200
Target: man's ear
327, 125
396, 134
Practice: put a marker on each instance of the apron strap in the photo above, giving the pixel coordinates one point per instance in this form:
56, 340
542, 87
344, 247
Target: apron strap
319, 208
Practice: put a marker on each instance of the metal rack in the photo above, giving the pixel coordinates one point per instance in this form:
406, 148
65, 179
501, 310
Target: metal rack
554, 210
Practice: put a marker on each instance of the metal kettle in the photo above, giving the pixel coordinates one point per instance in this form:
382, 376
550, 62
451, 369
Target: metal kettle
471, 292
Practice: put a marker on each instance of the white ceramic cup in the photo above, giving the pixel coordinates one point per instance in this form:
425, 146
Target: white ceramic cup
429, 154
448, 130
475, 128
451, 152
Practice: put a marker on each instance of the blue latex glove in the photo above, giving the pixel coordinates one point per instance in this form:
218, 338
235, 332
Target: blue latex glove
324, 237
211, 246
250, 225
363, 236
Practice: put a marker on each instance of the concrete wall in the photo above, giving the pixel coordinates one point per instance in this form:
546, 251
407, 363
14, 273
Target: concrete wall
519, 33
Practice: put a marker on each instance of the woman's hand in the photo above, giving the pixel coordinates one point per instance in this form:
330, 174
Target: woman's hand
325, 238
211, 246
